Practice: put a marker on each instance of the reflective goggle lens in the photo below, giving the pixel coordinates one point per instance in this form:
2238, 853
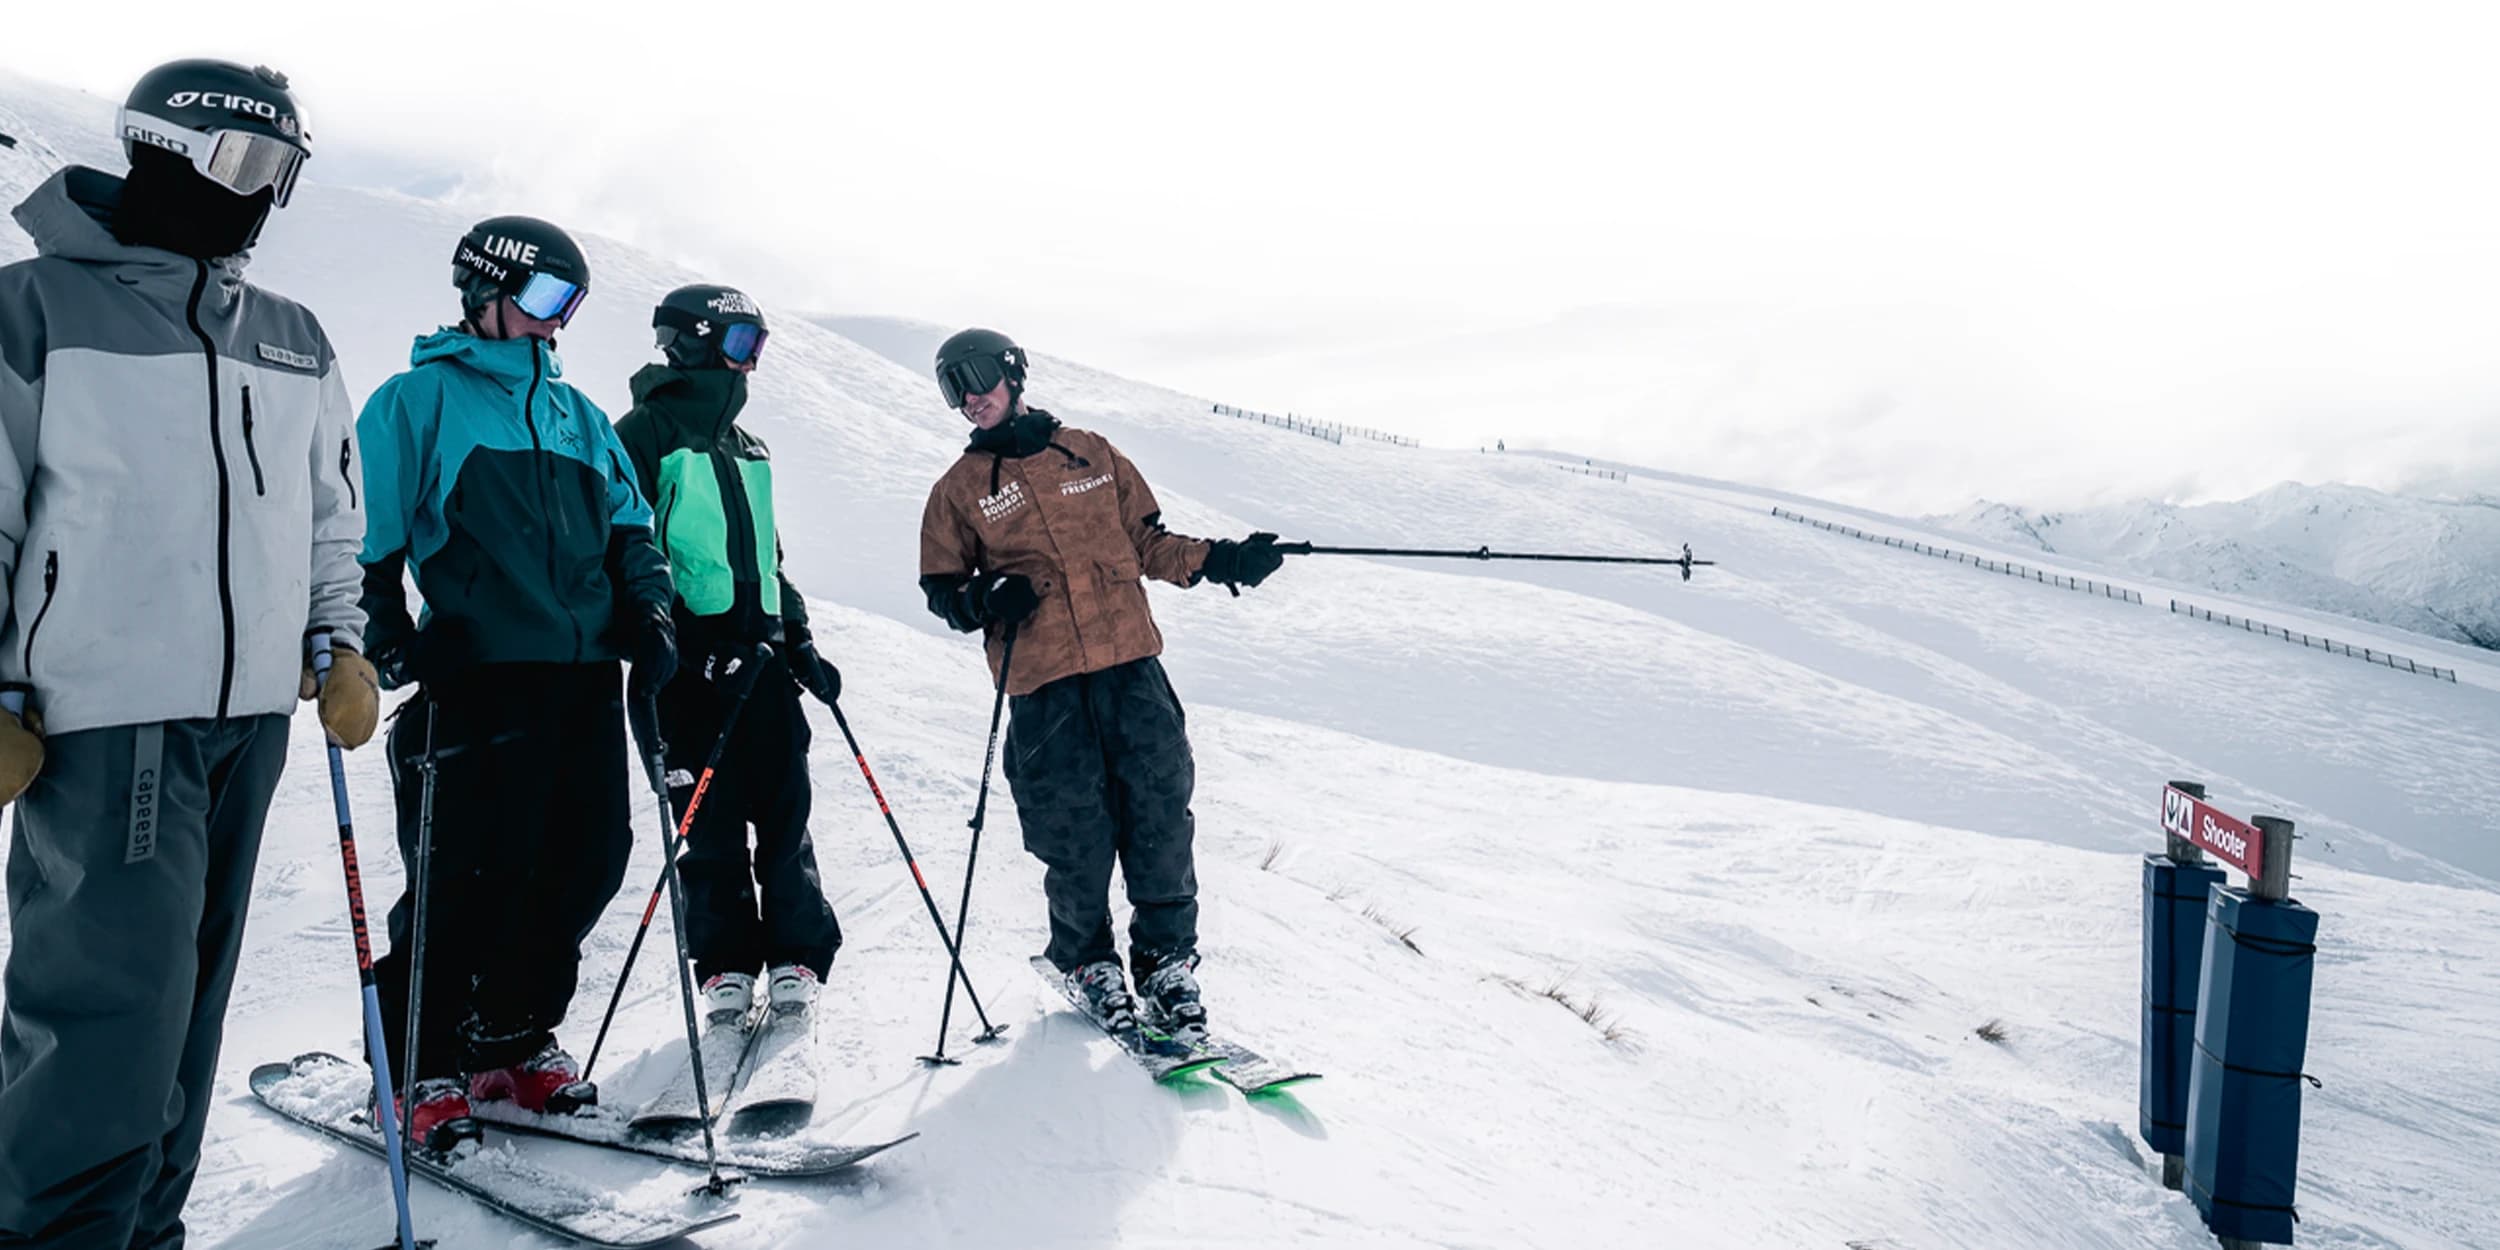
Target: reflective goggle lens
547, 297
976, 376
741, 343
238, 160
245, 163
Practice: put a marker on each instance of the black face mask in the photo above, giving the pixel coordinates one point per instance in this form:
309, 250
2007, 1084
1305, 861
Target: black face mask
166, 203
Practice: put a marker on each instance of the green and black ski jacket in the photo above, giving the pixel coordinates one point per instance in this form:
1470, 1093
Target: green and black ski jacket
710, 484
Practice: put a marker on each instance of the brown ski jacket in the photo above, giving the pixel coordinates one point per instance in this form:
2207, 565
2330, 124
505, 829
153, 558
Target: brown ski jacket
1064, 508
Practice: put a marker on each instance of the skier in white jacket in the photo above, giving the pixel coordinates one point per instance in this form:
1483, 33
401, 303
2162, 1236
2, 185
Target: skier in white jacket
178, 525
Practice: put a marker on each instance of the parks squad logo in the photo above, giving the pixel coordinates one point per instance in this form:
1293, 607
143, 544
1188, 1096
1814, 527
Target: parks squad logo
1004, 503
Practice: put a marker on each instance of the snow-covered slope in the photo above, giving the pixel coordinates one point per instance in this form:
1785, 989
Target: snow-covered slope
2431, 566
1799, 826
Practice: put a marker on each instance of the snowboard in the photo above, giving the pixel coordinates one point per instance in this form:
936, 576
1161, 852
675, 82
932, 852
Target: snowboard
331, 1096
1165, 1058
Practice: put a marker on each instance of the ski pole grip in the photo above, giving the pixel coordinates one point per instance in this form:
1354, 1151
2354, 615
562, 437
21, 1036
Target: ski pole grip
319, 643
14, 703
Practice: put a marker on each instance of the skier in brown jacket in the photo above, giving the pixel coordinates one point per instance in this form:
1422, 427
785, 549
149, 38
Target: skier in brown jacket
1049, 530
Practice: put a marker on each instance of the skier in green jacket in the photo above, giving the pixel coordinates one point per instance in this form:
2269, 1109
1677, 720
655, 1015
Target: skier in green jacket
710, 484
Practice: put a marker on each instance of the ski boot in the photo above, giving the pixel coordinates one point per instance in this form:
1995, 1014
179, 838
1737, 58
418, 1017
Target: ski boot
1170, 996
435, 1117
793, 989
728, 999
549, 1084
1105, 993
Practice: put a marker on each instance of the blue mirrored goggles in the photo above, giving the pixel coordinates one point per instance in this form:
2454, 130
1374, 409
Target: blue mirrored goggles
547, 297
741, 343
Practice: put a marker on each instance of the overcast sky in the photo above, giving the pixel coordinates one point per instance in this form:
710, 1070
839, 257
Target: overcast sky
1900, 254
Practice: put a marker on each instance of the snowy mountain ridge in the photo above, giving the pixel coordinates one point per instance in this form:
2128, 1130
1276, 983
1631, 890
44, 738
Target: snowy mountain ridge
1777, 841
2426, 565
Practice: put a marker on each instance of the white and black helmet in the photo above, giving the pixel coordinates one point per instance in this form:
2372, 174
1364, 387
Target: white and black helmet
239, 127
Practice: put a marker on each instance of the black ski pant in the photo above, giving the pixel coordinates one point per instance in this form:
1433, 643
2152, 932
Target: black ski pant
532, 829
747, 911
130, 868
1101, 770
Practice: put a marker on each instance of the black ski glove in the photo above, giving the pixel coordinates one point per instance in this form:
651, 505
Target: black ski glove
1244, 563
654, 645
814, 673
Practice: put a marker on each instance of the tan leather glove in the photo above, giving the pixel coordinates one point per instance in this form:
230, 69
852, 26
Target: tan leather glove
21, 754
351, 701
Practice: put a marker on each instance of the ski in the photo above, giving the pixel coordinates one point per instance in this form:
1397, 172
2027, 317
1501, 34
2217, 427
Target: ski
329, 1095
727, 1048
776, 1092
1249, 1071
1165, 1058
772, 1157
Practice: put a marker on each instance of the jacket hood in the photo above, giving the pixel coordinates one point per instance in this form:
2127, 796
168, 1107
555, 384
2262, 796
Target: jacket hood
505, 360
700, 401
71, 217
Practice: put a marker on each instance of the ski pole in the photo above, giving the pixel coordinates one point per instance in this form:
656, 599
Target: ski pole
655, 752
376, 1046
421, 880
980, 816
742, 682
953, 953
1685, 561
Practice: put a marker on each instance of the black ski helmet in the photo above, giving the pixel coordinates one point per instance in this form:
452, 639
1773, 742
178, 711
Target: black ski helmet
190, 107
500, 255
699, 326
976, 361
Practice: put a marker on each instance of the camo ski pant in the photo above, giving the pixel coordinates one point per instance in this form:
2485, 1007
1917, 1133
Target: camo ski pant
1100, 767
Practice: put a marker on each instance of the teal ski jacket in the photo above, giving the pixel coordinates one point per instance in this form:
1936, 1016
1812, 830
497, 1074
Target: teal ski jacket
506, 491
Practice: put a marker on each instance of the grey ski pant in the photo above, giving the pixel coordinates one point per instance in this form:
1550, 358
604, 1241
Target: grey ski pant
130, 866
1101, 770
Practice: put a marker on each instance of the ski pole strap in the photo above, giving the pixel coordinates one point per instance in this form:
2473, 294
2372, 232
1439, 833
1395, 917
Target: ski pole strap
319, 643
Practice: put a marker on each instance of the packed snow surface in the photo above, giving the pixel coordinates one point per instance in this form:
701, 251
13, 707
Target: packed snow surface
1617, 910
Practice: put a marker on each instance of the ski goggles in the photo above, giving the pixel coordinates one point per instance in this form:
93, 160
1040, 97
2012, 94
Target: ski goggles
238, 160
976, 375
546, 297
741, 343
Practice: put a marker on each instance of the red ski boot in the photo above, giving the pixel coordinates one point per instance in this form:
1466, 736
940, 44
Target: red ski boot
439, 1122
550, 1084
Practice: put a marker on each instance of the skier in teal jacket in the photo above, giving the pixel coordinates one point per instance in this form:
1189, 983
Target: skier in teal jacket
507, 494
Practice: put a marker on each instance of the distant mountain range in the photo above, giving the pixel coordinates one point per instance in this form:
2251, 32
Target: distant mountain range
2427, 565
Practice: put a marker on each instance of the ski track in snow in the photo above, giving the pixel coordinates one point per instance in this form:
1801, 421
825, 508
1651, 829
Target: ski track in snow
1797, 827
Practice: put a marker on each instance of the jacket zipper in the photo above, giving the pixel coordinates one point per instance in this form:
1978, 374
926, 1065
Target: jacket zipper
347, 457
51, 582
541, 471
740, 515
260, 485
225, 495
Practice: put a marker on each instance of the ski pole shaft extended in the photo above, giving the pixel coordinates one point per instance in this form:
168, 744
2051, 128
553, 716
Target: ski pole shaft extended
421, 885
655, 753
375, 1044
741, 685
972, 857
1685, 561
954, 954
